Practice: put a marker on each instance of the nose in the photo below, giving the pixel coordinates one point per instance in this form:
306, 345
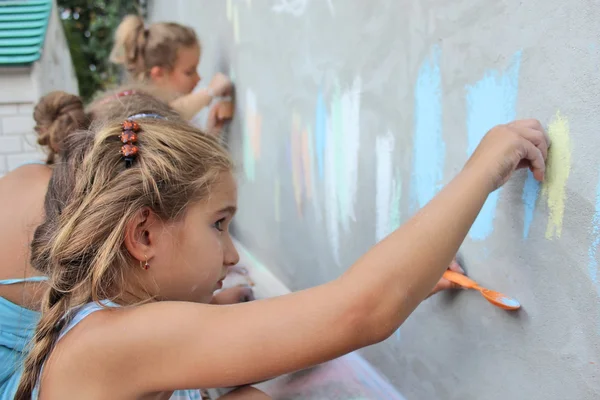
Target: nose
198, 78
232, 257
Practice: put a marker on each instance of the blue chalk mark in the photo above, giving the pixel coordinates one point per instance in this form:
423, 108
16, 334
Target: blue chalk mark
593, 250
490, 101
428, 144
531, 190
320, 132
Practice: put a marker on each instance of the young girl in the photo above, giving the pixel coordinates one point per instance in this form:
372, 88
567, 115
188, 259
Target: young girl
21, 209
22, 194
167, 55
143, 242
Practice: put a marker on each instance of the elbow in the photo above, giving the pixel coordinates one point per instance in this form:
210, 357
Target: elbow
372, 320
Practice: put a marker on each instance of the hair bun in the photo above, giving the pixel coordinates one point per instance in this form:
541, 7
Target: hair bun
57, 115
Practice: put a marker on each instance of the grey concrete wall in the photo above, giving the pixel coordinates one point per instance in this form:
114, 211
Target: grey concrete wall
352, 114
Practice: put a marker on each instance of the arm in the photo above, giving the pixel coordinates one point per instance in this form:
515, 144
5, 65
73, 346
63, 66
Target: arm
217, 346
189, 105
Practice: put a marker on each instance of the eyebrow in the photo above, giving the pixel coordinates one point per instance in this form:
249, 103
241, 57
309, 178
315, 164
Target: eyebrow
229, 209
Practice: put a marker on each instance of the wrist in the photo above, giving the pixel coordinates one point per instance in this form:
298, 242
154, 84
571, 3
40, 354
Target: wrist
210, 92
480, 177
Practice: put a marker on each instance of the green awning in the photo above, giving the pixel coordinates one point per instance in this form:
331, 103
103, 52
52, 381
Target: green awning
23, 25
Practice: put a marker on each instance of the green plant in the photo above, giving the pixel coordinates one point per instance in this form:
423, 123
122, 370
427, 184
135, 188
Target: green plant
89, 27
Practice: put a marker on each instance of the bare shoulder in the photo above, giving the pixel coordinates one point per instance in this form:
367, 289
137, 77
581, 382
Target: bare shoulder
26, 179
109, 344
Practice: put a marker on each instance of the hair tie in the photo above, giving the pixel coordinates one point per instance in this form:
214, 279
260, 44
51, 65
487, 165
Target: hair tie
128, 137
146, 115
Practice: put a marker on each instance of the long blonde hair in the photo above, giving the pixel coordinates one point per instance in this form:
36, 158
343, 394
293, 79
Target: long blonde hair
139, 49
90, 200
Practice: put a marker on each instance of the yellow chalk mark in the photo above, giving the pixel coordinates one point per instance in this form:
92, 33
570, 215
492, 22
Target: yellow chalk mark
558, 167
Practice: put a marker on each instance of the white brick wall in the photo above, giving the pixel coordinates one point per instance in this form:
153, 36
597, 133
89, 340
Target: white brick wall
18, 141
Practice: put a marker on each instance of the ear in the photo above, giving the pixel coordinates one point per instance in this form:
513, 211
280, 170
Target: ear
141, 235
157, 74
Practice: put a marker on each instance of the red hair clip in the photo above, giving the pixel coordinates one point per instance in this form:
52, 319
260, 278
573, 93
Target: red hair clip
129, 137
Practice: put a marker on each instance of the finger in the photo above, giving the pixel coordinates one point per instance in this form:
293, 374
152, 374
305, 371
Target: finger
535, 159
445, 284
537, 137
246, 294
528, 123
455, 266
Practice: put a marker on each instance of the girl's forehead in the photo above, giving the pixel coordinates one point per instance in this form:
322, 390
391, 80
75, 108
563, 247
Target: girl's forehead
221, 195
188, 55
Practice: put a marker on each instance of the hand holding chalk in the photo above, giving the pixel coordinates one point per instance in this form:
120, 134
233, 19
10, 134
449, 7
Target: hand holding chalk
496, 298
445, 284
219, 113
220, 85
505, 148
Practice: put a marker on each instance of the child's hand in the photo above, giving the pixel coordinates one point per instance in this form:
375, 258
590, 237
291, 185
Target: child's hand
505, 148
217, 116
234, 295
243, 271
443, 283
220, 85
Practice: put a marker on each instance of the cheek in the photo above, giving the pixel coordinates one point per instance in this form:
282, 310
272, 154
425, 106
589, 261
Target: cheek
207, 249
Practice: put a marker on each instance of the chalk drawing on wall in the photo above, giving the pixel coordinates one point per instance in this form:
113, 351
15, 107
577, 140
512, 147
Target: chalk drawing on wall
308, 160
341, 128
331, 199
296, 8
558, 167
277, 200
593, 250
531, 190
296, 156
320, 132
388, 188
345, 127
229, 9
236, 24
302, 160
428, 143
490, 101
252, 134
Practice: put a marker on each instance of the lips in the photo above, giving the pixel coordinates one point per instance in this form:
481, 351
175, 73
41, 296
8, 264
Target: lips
220, 283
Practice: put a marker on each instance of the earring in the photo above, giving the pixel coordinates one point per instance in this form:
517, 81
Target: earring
145, 265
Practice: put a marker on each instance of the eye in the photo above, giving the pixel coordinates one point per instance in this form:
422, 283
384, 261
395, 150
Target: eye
219, 225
